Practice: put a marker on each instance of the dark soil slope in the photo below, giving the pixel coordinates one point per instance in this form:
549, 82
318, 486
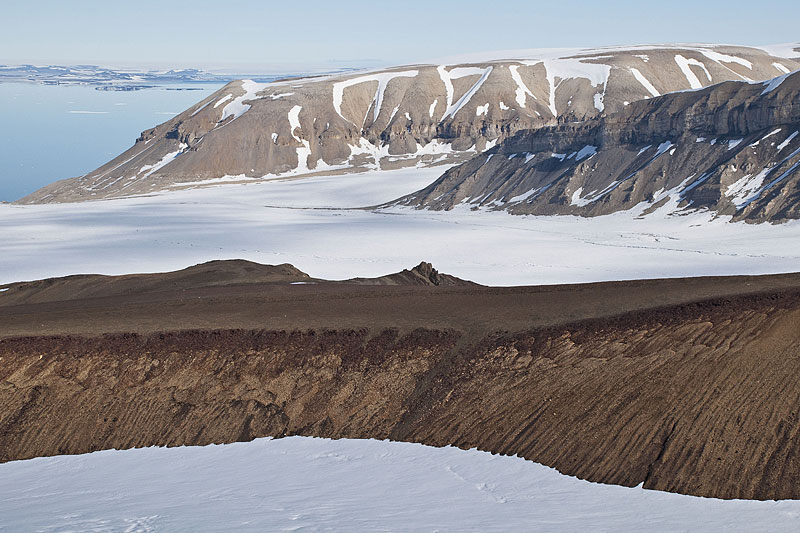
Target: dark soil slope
684, 385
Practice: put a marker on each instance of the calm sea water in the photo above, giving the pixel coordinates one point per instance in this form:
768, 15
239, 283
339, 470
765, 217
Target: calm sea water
51, 132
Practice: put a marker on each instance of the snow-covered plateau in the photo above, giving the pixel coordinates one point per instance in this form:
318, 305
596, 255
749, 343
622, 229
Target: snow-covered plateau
316, 224
301, 483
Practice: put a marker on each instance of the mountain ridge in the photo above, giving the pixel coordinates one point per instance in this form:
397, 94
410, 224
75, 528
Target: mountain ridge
400, 116
216, 274
732, 148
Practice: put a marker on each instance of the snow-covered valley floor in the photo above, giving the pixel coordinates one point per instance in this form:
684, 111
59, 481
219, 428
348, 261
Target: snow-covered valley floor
307, 222
305, 484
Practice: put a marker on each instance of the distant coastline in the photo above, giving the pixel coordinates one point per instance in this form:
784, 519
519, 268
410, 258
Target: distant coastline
106, 79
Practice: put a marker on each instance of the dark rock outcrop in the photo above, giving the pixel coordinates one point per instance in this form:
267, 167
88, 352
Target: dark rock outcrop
733, 148
422, 274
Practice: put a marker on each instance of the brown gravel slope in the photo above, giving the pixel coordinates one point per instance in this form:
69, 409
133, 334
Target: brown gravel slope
685, 385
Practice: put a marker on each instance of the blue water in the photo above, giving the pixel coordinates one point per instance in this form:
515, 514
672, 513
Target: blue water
47, 134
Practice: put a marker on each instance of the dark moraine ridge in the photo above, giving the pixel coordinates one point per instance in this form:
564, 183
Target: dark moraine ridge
685, 385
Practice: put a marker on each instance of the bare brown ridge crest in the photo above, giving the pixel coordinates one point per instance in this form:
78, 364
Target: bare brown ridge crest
685, 385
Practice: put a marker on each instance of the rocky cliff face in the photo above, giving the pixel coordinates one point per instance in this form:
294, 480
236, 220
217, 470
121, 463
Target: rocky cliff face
417, 114
699, 399
687, 385
733, 148
422, 275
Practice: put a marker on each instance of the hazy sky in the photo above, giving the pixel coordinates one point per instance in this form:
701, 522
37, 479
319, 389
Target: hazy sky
243, 33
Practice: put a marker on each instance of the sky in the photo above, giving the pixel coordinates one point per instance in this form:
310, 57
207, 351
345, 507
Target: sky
274, 36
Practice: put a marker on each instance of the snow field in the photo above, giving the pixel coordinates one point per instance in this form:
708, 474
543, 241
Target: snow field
315, 223
301, 483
